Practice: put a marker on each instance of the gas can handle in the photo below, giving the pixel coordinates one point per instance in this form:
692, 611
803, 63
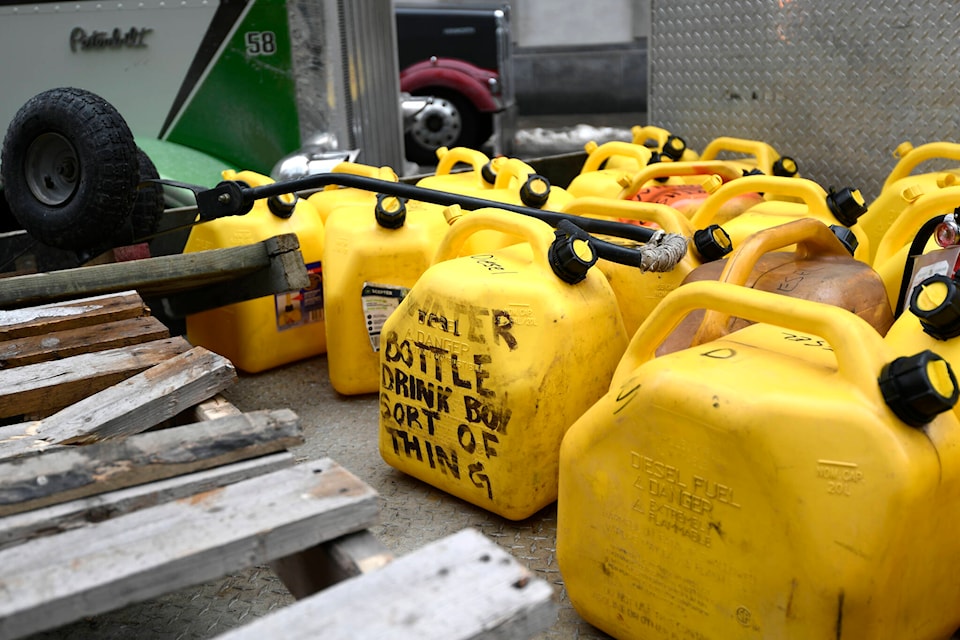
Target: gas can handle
669, 219
534, 232
811, 193
911, 218
860, 351
671, 169
811, 237
509, 169
449, 158
911, 157
598, 154
649, 132
763, 152
364, 170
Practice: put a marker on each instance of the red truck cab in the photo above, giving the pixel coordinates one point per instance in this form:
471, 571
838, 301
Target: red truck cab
460, 57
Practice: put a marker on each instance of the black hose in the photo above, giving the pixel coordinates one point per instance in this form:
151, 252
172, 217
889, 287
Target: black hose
236, 198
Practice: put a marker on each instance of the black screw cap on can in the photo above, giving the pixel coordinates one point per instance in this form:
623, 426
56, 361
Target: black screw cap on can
785, 167
487, 172
673, 147
936, 303
712, 243
571, 254
391, 211
283, 205
846, 237
846, 205
535, 191
917, 388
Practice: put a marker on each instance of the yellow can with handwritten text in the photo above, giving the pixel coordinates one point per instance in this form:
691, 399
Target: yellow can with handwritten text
373, 254
798, 478
490, 358
266, 332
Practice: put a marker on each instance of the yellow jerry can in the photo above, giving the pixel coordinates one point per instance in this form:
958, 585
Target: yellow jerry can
266, 332
659, 139
890, 258
685, 185
820, 268
516, 183
750, 155
491, 357
638, 291
798, 478
373, 255
480, 176
807, 199
333, 196
902, 187
600, 176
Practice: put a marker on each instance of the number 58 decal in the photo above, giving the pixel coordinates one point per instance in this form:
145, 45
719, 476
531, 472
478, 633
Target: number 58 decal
260, 43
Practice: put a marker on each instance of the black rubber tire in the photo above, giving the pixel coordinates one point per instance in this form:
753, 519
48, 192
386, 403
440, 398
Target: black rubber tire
148, 207
69, 168
473, 131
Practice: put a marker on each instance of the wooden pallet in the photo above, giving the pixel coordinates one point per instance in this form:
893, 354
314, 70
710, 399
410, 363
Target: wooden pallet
124, 475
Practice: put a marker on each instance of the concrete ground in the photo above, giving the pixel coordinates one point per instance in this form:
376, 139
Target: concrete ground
346, 429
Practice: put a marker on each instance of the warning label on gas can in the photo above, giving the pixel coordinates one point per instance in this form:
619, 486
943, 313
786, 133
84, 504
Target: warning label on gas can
298, 308
379, 301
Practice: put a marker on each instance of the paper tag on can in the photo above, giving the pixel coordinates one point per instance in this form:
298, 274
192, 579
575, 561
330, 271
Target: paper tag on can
379, 301
305, 306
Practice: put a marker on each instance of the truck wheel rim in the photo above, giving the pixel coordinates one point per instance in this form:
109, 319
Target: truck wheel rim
52, 169
438, 125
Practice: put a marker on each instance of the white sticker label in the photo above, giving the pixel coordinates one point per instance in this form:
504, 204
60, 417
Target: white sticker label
379, 301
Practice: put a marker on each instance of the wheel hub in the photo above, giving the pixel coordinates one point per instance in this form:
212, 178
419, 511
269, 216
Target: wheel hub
52, 169
438, 125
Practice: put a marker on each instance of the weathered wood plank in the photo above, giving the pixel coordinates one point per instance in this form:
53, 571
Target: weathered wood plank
215, 407
70, 342
131, 406
286, 272
150, 277
315, 569
32, 321
49, 386
70, 473
57, 579
22, 527
461, 587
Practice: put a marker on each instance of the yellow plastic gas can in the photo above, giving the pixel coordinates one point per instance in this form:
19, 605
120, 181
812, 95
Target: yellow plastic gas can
373, 255
807, 199
600, 176
798, 478
659, 139
685, 185
333, 196
891, 254
491, 357
903, 187
267, 332
480, 176
639, 291
517, 183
